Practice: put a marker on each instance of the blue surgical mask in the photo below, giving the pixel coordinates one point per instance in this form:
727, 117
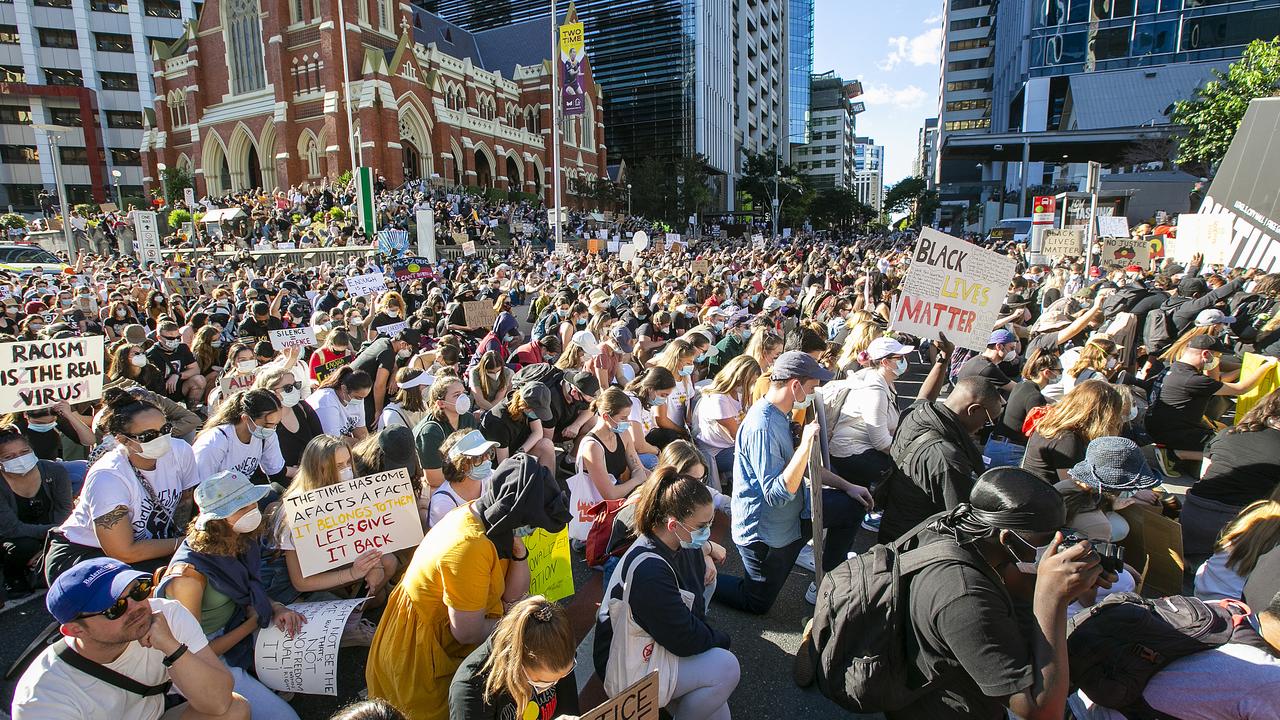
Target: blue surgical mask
622, 427
700, 357
658, 401
686, 371
262, 433
523, 531
901, 368
481, 472
697, 538
802, 404
41, 427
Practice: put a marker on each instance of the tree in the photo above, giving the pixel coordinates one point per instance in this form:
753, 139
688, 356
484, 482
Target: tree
175, 181
838, 208
903, 195
669, 189
1210, 120
757, 182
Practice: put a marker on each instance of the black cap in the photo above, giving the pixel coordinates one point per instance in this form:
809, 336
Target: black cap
585, 382
1192, 287
538, 398
794, 364
411, 336
1207, 342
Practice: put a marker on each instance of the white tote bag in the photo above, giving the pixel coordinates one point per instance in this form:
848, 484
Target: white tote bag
634, 653
583, 496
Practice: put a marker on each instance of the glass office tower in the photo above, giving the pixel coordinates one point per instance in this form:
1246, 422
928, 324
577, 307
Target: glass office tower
799, 68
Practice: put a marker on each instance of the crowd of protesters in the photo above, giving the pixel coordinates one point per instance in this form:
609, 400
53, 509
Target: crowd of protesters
671, 398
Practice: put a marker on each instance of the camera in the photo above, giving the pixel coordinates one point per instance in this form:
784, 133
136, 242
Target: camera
1110, 554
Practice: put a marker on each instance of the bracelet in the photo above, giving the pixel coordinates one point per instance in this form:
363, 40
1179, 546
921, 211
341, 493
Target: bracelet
175, 655
522, 558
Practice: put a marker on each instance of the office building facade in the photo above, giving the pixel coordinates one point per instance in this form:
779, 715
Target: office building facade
926, 147
85, 67
799, 69
827, 159
868, 172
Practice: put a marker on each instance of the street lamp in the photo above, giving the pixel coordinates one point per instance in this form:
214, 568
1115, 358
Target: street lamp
54, 133
164, 185
115, 178
628, 199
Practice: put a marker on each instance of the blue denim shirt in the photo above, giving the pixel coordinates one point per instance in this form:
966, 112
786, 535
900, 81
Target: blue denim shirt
763, 509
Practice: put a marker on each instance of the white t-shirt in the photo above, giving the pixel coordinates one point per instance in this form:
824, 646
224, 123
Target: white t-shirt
112, 482
710, 409
335, 417
642, 416
678, 400
52, 690
443, 500
220, 449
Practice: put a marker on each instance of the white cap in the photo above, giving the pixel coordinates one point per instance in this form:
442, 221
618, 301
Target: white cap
771, 304
884, 346
585, 340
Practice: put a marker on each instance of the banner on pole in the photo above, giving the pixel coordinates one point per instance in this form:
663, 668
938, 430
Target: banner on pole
426, 222
364, 201
42, 373
952, 287
572, 53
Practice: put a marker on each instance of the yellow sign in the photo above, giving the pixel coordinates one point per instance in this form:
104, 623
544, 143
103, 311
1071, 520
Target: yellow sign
550, 568
1269, 383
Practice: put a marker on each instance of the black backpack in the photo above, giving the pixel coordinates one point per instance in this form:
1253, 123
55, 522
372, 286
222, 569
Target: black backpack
1115, 647
545, 373
1159, 331
861, 625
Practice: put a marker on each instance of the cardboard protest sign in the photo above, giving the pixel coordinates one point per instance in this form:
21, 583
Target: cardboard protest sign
460, 238
307, 662
41, 373
638, 702
1122, 252
235, 382
1268, 385
673, 239
392, 329
292, 337
700, 267
479, 313
469, 248
1210, 235
334, 525
1113, 226
1062, 242
627, 252
594, 245
366, 284
1158, 539
411, 268
952, 287
613, 245
550, 568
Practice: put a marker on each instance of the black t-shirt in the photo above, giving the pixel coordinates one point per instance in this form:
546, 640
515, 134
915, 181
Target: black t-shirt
381, 319
1045, 456
1244, 467
962, 618
1044, 341
378, 355
980, 366
1183, 399
1025, 396
466, 694
252, 330
498, 425
170, 363
1264, 581
651, 331
563, 411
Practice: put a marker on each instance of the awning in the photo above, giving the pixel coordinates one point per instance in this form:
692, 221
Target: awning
222, 215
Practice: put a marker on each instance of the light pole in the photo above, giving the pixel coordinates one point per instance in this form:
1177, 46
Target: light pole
53, 133
164, 185
628, 199
115, 179
777, 177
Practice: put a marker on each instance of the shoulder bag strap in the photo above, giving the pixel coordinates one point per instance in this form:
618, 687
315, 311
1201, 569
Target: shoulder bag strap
68, 655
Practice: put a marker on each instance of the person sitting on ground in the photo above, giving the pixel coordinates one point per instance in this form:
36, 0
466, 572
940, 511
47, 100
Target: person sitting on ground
339, 402
241, 436
1253, 533
1002, 347
110, 622
608, 460
522, 425
524, 669
467, 469
214, 574
648, 392
1007, 443
669, 562
721, 408
409, 406
490, 381
448, 410
1091, 410
468, 571
35, 497
1112, 476
298, 420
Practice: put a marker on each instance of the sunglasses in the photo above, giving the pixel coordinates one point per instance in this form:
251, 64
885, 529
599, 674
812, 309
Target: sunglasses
289, 387
140, 591
147, 436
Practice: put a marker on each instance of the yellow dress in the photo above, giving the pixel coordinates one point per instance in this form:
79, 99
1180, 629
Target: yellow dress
414, 654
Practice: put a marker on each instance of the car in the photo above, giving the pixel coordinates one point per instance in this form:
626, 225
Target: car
27, 259
1015, 229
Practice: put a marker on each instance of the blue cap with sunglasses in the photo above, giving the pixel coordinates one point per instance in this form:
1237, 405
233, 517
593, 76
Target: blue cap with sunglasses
89, 587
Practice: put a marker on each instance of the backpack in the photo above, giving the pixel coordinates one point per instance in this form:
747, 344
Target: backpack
1159, 331
602, 515
545, 373
860, 625
540, 328
1115, 647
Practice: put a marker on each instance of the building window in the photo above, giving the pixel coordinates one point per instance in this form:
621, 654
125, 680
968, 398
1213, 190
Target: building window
384, 15
177, 102
983, 84
956, 45
295, 11
969, 64
65, 4
57, 38
19, 154
62, 76
15, 115
119, 81
966, 4
12, 73
971, 23
8, 34
162, 9
242, 31
120, 7
124, 119
73, 155
307, 74
311, 155
968, 124
64, 117
112, 42
127, 157
962, 105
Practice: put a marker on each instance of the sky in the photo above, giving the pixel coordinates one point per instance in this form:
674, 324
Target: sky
893, 47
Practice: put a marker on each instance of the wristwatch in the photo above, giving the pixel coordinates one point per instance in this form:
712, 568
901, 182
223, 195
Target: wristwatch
172, 658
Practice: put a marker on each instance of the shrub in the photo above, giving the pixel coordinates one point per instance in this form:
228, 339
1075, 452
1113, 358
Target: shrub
177, 217
337, 213
345, 177
13, 221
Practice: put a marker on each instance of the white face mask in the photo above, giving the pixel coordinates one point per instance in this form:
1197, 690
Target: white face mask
345, 474
139, 360
21, 464
462, 405
1010, 355
248, 522
156, 449
1028, 567
289, 398
247, 366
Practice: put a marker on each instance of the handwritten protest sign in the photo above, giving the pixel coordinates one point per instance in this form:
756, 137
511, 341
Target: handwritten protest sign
292, 337
953, 287
42, 373
627, 253
613, 245
700, 267
1205, 233
469, 247
308, 661
639, 701
1268, 385
1122, 252
334, 525
235, 382
550, 568
1116, 226
366, 284
1063, 242
479, 313
640, 239
411, 268
392, 329
325, 369
189, 287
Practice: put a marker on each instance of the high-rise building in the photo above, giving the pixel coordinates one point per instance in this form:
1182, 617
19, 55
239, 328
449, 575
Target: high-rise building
926, 146
799, 69
964, 93
679, 76
85, 66
868, 172
827, 159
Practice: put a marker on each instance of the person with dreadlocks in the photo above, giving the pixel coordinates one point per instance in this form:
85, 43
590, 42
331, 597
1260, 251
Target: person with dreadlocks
962, 609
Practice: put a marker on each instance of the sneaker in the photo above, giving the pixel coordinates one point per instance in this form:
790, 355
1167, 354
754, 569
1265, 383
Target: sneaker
803, 668
872, 521
811, 595
805, 559
1167, 462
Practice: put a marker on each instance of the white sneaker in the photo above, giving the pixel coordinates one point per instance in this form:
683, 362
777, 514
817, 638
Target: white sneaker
805, 559
811, 595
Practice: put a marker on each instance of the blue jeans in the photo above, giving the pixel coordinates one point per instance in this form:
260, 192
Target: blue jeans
765, 571
264, 704
724, 462
1002, 453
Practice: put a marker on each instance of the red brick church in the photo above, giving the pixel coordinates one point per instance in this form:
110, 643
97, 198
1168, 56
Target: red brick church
252, 97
